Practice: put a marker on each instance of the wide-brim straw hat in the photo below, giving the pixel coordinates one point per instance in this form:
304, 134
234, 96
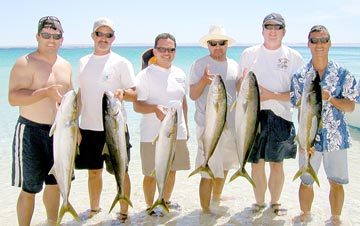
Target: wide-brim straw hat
216, 32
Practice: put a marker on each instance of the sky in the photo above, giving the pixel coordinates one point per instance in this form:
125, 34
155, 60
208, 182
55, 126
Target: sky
138, 21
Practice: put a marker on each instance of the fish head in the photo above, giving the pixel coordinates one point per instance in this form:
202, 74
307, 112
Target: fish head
111, 105
68, 104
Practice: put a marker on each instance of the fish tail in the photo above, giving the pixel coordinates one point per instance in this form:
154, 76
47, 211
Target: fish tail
126, 199
311, 171
307, 169
159, 202
116, 199
67, 207
205, 169
242, 172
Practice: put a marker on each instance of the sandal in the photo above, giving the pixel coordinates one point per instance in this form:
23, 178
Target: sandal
257, 208
122, 217
94, 212
154, 213
277, 210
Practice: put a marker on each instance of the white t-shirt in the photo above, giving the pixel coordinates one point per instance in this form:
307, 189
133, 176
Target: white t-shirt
96, 75
274, 70
160, 86
228, 72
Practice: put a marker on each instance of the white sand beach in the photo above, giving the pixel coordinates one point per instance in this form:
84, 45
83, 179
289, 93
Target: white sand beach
235, 210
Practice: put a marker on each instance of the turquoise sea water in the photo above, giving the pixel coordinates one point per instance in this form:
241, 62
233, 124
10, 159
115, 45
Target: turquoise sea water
348, 56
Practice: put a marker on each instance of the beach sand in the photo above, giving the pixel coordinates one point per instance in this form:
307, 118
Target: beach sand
234, 210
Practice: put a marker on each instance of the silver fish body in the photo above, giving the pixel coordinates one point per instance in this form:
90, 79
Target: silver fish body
115, 127
215, 118
164, 154
246, 122
309, 121
64, 131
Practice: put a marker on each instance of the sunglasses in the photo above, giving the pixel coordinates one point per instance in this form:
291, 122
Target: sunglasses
322, 40
107, 35
273, 26
215, 43
45, 35
163, 49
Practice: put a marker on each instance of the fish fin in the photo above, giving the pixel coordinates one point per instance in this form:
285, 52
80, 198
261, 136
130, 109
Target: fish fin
52, 130
309, 170
204, 169
127, 200
159, 202
52, 171
155, 140
67, 207
105, 150
116, 199
242, 172
153, 173
233, 106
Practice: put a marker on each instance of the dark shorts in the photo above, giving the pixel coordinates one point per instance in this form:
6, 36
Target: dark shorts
32, 156
91, 149
276, 140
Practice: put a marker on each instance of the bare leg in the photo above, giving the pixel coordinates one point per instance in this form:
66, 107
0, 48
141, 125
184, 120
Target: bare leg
336, 198
127, 190
149, 187
51, 199
306, 197
276, 181
259, 177
218, 186
25, 208
205, 194
169, 185
95, 188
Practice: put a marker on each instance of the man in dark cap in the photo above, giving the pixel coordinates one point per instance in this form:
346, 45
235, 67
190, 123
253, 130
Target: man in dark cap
273, 64
37, 83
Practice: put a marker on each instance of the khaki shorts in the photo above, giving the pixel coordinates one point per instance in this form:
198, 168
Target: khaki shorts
224, 157
181, 161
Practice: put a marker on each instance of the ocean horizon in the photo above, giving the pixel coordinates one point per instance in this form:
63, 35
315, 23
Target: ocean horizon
233, 211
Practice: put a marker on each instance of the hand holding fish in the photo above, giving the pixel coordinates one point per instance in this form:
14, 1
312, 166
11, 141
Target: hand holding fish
160, 112
325, 95
119, 94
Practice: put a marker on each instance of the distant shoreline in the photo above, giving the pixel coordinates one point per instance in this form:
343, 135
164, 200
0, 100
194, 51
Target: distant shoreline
69, 46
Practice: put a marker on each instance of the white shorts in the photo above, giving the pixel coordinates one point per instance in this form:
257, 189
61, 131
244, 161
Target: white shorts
335, 166
224, 157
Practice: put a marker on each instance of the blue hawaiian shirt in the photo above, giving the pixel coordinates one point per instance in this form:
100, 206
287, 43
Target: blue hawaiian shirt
334, 134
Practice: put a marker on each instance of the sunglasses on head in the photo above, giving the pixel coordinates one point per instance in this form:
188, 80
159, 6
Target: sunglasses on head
215, 43
273, 26
45, 35
322, 40
107, 35
163, 49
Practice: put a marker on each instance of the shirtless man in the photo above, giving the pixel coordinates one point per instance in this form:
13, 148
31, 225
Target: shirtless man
37, 82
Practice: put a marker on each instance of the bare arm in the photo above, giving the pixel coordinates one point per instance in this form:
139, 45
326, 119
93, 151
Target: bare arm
344, 105
144, 108
126, 94
197, 89
267, 95
185, 111
21, 92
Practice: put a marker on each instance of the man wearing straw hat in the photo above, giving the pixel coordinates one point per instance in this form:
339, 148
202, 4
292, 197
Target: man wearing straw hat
201, 75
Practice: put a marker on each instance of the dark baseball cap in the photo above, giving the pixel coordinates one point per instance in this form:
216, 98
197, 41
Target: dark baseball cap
318, 28
51, 22
274, 17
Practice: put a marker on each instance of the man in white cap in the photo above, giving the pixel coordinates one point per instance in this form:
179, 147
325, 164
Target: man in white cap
201, 75
101, 71
273, 64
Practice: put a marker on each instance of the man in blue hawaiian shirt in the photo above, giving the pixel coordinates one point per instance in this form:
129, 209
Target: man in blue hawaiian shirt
339, 92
